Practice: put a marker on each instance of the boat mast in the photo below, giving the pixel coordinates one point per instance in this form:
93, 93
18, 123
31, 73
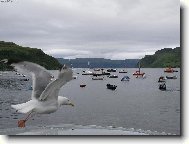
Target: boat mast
139, 66
88, 64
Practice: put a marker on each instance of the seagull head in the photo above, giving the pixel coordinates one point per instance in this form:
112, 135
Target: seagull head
64, 101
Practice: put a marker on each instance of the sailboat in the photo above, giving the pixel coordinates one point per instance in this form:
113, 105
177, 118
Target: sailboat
138, 73
88, 72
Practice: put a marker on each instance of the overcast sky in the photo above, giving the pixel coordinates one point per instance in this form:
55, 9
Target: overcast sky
115, 29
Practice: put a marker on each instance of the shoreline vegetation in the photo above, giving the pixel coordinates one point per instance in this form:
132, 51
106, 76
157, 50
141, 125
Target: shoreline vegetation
166, 57
10, 50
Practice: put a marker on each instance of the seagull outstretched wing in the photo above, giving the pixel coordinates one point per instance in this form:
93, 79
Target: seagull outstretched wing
40, 76
52, 90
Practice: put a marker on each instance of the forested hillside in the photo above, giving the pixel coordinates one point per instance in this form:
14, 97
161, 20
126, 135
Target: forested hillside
11, 50
166, 57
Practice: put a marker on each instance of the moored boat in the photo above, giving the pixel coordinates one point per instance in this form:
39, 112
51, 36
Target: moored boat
138, 73
97, 78
122, 71
161, 79
162, 87
87, 73
82, 85
113, 76
125, 78
112, 87
170, 70
171, 77
111, 70
97, 69
100, 74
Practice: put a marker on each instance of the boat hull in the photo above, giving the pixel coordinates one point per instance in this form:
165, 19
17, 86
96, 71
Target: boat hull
166, 71
138, 74
173, 77
111, 87
97, 78
122, 72
82, 85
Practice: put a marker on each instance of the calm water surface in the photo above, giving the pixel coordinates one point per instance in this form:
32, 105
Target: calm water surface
135, 104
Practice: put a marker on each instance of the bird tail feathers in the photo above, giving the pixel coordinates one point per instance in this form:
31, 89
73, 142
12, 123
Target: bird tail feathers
23, 107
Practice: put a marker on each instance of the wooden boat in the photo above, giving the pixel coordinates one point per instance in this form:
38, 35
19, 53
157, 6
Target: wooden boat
138, 73
112, 87
26, 79
170, 70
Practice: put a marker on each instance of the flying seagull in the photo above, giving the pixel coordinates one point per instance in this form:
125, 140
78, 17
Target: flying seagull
44, 98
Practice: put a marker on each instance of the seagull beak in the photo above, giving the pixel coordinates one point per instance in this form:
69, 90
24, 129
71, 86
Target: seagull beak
72, 104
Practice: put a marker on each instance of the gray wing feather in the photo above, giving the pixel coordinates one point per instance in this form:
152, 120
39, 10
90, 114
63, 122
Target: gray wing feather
52, 90
40, 76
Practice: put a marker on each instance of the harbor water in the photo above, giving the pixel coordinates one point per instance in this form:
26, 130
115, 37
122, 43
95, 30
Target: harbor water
135, 104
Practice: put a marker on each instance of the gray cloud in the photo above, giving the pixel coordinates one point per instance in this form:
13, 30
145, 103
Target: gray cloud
116, 29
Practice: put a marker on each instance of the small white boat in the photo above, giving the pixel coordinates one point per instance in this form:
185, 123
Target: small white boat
97, 78
96, 69
113, 76
87, 73
122, 71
